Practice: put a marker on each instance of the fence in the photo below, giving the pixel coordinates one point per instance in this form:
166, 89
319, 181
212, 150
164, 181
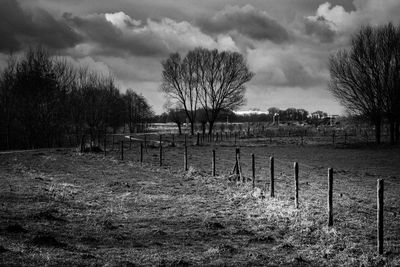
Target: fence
285, 181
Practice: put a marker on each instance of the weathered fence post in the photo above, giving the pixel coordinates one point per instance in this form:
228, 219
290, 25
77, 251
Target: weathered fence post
333, 138
330, 191
296, 185
122, 150
198, 139
237, 157
130, 142
173, 140
272, 185
345, 138
380, 190
213, 163
141, 151
253, 170
185, 158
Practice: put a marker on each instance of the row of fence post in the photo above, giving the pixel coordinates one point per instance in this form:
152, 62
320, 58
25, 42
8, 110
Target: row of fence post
380, 185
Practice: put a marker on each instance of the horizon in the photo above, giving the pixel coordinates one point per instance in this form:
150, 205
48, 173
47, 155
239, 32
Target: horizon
286, 43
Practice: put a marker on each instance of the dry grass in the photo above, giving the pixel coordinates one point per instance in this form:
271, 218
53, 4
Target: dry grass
65, 208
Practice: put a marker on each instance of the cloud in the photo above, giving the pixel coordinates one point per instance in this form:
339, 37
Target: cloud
290, 66
366, 12
118, 33
19, 27
248, 21
321, 28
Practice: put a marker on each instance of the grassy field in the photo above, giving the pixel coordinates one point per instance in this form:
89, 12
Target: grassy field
69, 209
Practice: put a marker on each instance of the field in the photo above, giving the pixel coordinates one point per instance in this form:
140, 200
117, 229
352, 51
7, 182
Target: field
65, 208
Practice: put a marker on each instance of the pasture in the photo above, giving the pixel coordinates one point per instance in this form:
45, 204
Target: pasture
65, 208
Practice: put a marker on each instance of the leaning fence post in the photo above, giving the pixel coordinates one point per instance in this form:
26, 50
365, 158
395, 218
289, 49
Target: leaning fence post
330, 191
122, 150
296, 184
213, 162
185, 158
253, 170
272, 186
380, 190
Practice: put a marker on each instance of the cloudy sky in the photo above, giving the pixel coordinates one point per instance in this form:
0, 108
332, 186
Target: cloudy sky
287, 43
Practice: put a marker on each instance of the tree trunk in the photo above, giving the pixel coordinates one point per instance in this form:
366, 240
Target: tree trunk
203, 127
210, 127
378, 131
179, 128
392, 131
192, 128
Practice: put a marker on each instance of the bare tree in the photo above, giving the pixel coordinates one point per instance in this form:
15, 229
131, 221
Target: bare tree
364, 78
180, 83
222, 77
138, 111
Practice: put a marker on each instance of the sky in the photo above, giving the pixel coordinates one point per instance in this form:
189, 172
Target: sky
287, 43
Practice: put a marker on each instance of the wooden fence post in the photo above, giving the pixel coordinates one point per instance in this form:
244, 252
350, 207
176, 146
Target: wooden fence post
141, 151
345, 138
330, 191
296, 184
198, 139
130, 142
237, 157
272, 185
333, 138
213, 163
122, 150
380, 190
253, 170
185, 158
173, 140
145, 142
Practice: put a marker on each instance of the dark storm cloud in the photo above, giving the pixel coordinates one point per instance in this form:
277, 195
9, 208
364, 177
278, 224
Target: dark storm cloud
19, 28
110, 39
247, 21
320, 28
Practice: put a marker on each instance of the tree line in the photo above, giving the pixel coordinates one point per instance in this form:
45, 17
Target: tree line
44, 99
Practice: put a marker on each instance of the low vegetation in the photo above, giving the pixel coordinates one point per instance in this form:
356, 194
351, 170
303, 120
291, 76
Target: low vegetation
63, 208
